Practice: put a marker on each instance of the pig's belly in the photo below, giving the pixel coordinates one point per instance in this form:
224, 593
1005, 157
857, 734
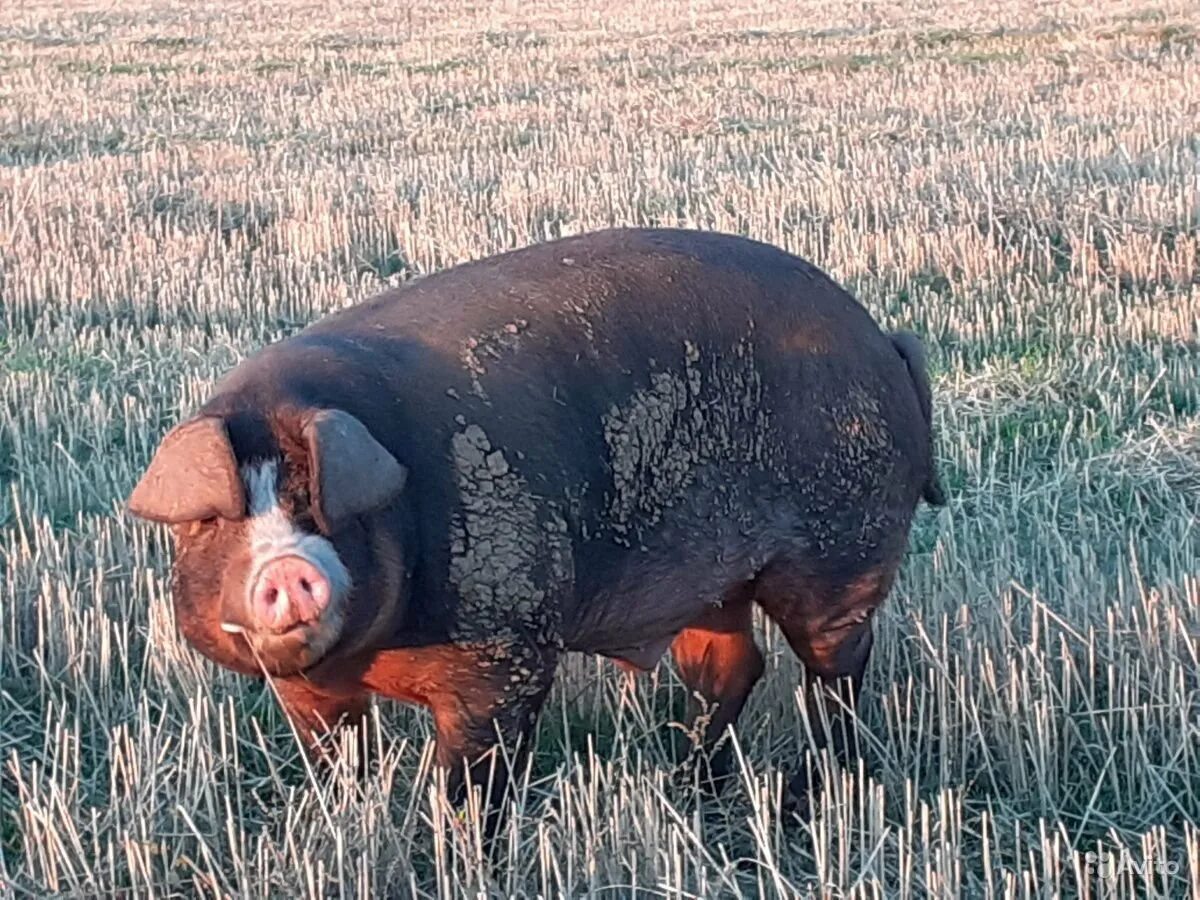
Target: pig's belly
634, 599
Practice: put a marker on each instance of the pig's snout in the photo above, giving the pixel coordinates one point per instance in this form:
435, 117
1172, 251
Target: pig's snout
288, 591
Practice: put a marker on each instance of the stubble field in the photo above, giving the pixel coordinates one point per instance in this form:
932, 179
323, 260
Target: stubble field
1019, 183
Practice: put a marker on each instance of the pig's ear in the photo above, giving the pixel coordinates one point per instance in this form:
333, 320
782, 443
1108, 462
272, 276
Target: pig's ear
352, 473
193, 476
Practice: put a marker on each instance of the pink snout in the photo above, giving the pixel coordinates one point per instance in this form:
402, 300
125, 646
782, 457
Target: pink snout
289, 591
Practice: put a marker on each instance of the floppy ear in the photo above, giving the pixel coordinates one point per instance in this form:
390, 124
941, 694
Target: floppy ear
352, 473
192, 476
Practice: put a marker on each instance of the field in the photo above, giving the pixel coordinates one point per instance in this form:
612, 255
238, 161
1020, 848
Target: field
1018, 182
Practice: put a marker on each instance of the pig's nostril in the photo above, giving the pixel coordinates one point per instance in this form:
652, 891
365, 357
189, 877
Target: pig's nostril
289, 591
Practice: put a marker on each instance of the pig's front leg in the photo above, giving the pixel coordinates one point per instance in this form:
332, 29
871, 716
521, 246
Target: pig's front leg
320, 715
485, 697
485, 723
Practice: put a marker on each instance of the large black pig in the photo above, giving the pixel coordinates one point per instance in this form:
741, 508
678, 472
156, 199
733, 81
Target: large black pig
616, 443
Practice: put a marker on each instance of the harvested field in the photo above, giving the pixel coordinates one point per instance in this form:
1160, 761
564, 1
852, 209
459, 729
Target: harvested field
1018, 182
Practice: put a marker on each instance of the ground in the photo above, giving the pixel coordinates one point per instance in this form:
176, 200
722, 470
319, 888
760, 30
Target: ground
1015, 182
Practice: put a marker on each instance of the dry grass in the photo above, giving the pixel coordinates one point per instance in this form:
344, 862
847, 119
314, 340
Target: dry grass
1017, 182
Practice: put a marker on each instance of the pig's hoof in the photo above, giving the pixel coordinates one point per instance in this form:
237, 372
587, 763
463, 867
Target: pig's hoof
799, 796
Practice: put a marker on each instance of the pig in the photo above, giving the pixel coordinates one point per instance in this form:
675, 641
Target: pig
617, 443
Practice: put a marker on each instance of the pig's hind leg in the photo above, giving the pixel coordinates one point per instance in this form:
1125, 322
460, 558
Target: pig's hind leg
827, 621
719, 663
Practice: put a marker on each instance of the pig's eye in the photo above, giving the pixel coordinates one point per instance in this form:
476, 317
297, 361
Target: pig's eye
298, 504
199, 525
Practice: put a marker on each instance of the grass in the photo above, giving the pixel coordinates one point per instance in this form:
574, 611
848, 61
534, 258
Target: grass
1016, 182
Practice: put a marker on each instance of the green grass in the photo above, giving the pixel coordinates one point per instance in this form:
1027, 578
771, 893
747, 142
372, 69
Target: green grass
179, 187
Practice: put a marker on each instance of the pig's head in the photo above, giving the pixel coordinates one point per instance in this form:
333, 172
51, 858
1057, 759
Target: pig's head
270, 547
